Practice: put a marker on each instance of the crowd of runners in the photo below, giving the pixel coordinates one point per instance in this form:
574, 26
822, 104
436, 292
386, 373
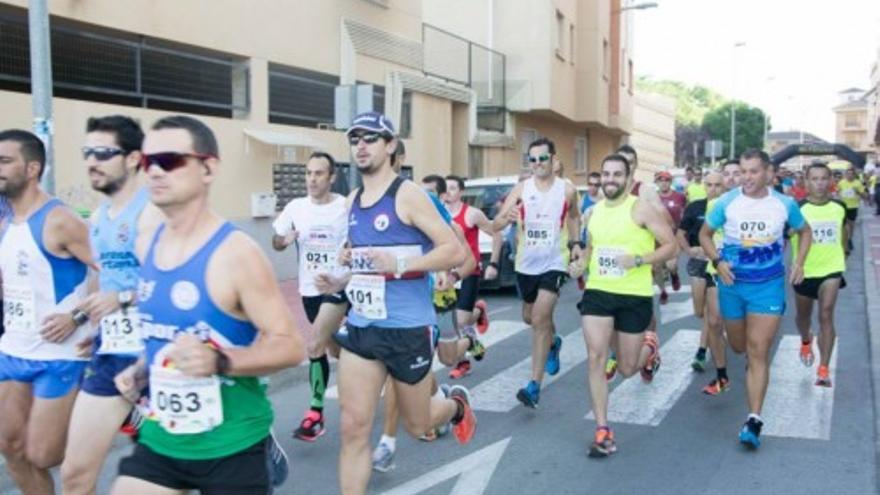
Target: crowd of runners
157, 317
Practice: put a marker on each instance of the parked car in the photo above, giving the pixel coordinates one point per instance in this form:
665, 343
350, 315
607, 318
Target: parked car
487, 194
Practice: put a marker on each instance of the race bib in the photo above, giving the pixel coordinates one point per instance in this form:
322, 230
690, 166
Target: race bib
540, 234
19, 313
848, 193
826, 232
320, 257
366, 293
121, 333
607, 260
753, 233
185, 405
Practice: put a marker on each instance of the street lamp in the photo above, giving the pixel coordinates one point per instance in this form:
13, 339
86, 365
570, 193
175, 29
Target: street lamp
731, 152
640, 6
766, 127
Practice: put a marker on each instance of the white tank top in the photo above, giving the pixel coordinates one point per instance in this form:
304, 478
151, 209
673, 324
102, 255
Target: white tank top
36, 284
543, 238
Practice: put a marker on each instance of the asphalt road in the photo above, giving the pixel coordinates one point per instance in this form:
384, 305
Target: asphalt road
672, 439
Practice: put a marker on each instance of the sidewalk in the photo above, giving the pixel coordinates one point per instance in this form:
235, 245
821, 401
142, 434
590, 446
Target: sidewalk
871, 243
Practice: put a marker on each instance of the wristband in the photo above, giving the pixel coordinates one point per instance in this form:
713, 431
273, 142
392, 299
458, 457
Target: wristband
222, 363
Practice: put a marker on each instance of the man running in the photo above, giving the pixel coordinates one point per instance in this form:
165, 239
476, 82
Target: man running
674, 202
618, 297
695, 189
112, 154
318, 224
397, 237
544, 208
44, 255
851, 191
823, 269
593, 195
470, 313
688, 235
214, 321
750, 267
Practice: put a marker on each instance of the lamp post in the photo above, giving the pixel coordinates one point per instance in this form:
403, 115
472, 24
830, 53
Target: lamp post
766, 120
731, 152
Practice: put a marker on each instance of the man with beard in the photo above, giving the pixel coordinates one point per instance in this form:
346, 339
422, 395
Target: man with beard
545, 209
44, 259
623, 233
751, 292
397, 237
112, 154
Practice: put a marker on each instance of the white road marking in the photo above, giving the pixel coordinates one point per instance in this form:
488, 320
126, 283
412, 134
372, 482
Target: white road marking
474, 472
795, 407
673, 311
685, 289
635, 402
498, 330
498, 394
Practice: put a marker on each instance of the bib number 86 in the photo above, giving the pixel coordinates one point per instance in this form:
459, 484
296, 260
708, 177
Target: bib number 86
174, 402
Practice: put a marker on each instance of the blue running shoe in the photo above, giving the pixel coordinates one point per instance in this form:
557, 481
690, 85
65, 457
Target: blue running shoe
552, 365
530, 394
750, 435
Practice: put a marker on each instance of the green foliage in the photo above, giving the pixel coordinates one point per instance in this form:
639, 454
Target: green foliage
749, 126
693, 102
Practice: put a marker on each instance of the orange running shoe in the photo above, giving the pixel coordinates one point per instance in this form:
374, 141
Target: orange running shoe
806, 353
823, 377
466, 426
603, 443
483, 320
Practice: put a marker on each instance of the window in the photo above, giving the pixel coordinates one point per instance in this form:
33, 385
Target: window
571, 42
301, 97
405, 128
560, 34
109, 66
526, 136
852, 120
580, 154
475, 162
606, 60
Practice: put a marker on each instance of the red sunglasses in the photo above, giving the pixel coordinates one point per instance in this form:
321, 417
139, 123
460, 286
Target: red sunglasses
170, 160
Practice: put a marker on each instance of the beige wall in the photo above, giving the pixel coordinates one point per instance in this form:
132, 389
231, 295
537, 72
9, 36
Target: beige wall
855, 132
654, 131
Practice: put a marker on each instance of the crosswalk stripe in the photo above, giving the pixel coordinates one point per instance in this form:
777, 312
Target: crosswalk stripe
498, 331
676, 310
635, 402
795, 407
498, 394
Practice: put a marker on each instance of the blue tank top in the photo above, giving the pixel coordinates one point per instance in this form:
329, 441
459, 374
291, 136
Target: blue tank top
408, 299
113, 242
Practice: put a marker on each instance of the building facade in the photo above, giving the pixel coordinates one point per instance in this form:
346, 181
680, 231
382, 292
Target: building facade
653, 133
851, 115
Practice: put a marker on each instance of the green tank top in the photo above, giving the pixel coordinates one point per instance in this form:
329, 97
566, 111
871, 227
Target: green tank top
613, 232
826, 254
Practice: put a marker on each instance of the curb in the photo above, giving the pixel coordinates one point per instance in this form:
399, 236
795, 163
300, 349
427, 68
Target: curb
872, 307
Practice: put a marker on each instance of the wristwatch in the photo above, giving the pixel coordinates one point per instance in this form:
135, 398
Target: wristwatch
639, 260
401, 266
222, 362
80, 317
716, 262
125, 298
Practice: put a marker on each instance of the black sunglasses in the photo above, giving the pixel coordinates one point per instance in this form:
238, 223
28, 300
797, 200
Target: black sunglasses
170, 160
368, 137
101, 153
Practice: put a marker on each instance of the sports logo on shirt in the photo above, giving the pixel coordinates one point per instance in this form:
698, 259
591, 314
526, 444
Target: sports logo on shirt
145, 289
184, 295
23, 263
122, 233
381, 222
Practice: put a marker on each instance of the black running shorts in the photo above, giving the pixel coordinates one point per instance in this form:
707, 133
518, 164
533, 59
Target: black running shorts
810, 286
631, 314
467, 295
312, 304
852, 214
242, 473
529, 285
405, 352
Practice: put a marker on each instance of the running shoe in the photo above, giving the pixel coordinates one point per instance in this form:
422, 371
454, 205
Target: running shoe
467, 425
552, 364
483, 320
311, 427
443, 430
280, 464
652, 365
717, 386
750, 434
603, 443
699, 363
676, 281
806, 353
461, 370
664, 297
383, 458
477, 349
611, 367
530, 394
823, 377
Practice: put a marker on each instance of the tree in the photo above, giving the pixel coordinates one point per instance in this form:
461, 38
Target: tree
749, 126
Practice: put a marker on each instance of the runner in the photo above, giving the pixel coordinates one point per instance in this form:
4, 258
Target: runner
470, 313
318, 224
688, 235
44, 255
5, 213
823, 269
750, 267
395, 241
111, 154
695, 189
674, 202
214, 321
618, 298
544, 209
851, 191
593, 195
